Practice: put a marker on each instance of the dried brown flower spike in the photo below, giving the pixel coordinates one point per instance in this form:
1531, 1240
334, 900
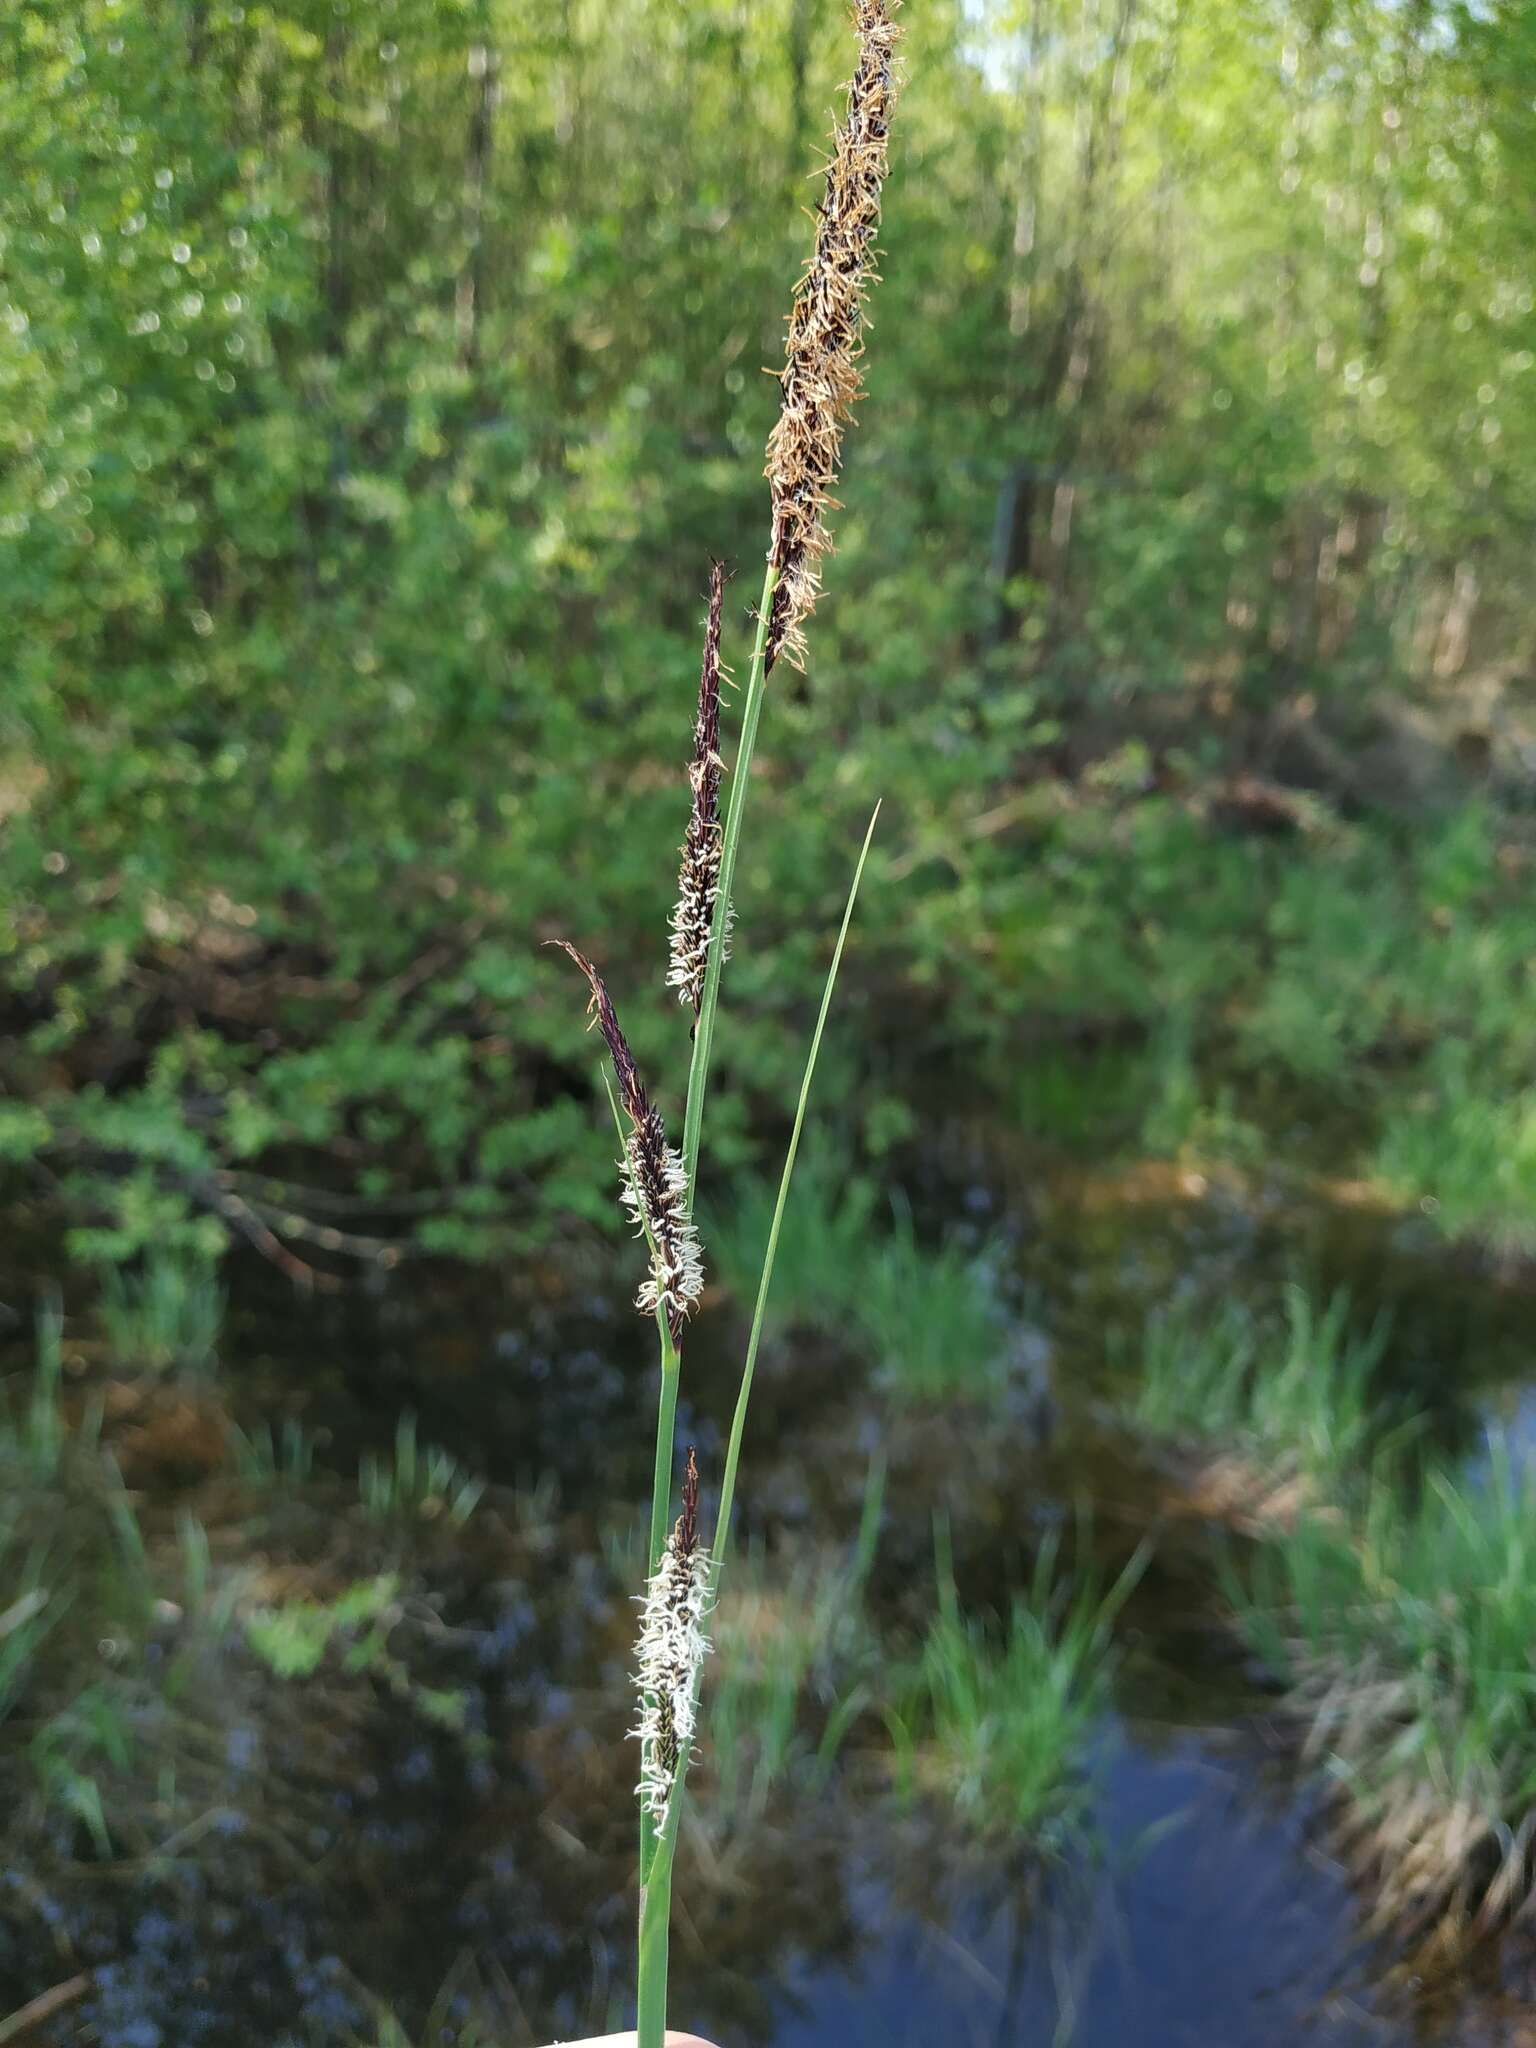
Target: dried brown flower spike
820, 380
655, 1185
699, 879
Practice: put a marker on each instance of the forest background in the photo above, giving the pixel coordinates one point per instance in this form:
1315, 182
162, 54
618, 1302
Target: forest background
377, 378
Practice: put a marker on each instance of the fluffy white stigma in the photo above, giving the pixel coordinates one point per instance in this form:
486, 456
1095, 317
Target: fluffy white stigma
692, 924
655, 1188
671, 1649
692, 919
656, 1197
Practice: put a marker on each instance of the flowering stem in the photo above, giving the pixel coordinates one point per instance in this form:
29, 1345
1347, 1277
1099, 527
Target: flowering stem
736, 798
765, 1279
670, 1654
661, 1477
661, 1502
657, 1850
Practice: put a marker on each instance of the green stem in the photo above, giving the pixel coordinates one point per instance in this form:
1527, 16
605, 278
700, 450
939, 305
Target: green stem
658, 1851
736, 803
661, 1474
656, 1867
666, 1404
666, 1418
739, 1419
661, 1507
655, 1922
661, 1504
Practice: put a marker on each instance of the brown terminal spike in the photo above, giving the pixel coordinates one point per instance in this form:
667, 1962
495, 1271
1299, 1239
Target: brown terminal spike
819, 384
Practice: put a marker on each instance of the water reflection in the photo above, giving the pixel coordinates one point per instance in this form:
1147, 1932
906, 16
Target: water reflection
1209, 1921
335, 1856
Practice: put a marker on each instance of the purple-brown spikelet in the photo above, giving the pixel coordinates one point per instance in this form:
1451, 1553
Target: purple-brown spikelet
819, 384
655, 1185
699, 877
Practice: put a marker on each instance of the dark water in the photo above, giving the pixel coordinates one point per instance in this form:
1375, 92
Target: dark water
1209, 1922
340, 1857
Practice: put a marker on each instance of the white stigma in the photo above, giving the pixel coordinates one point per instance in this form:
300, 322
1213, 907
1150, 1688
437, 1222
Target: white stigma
671, 1649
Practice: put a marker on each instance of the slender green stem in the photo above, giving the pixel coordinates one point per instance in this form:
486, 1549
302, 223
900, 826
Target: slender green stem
666, 1405
661, 1476
749, 1366
736, 803
658, 1851
655, 1926
661, 1503
656, 1867
666, 1419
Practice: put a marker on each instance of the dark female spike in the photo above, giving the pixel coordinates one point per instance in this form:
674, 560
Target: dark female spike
655, 1186
686, 1534
698, 879
672, 1646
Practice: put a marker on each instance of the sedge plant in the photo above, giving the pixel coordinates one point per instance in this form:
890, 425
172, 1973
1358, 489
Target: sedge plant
1402, 1636
818, 387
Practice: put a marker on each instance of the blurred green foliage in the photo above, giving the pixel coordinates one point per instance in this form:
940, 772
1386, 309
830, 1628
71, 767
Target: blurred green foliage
931, 1321
164, 1318
1399, 1633
1299, 1390
376, 377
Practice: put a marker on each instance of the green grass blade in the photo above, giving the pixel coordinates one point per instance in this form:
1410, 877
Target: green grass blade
739, 1419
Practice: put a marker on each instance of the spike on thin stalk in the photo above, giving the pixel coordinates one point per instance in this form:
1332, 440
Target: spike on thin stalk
655, 1186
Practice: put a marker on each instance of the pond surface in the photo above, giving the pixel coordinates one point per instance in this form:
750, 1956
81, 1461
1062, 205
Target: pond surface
349, 1859
1210, 1921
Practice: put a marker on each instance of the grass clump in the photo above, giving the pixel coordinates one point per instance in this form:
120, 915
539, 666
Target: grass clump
1299, 1384
32, 1438
91, 1683
931, 1319
928, 1320
165, 1317
128, 1656
23, 1623
1075, 1097
95, 1660
824, 1237
69, 1542
998, 1717
1464, 1148
1406, 1643
795, 1658
421, 1481
275, 1457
